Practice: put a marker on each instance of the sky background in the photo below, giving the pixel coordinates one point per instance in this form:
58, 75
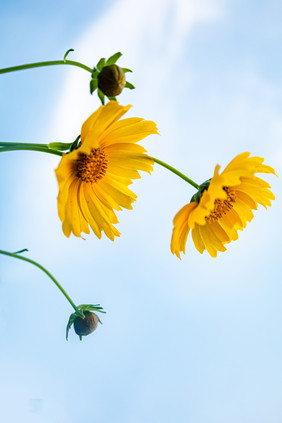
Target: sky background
197, 340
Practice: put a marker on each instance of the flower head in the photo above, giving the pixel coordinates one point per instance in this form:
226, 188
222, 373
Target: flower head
222, 206
93, 179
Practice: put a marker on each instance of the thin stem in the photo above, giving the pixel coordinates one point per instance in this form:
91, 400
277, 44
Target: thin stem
10, 144
48, 63
181, 175
32, 147
45, 271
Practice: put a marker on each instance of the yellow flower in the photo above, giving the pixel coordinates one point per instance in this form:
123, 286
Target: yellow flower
222, 206
93, 179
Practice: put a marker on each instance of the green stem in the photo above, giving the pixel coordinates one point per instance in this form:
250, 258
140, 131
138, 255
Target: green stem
13, 144
32, 147
181, 175
45, 271
48, 63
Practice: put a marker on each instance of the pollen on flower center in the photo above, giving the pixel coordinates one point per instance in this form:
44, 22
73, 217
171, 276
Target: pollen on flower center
221, 207
92, 167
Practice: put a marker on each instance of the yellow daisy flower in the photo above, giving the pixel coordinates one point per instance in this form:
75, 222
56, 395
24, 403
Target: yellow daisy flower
93, 179
222, 206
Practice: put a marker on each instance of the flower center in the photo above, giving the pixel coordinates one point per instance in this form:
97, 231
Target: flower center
92, 167
221, 207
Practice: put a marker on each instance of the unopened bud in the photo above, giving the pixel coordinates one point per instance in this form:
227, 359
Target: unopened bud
87, 325
111, 80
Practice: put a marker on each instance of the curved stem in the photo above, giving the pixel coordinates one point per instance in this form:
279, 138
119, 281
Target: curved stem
48, 63
45, 271
32, 147
181, 175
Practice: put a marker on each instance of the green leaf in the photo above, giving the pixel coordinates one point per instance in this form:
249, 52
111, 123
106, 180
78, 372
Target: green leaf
82, 306
66, 54
112, 60
80, 313
60, 146
93, 85
101, 64
23, 251
101, 96
112, 98
70, 323
129, 85
94, 73
91, 307
126, 70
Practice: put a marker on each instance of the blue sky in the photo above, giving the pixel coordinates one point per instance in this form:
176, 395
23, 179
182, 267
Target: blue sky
197, 340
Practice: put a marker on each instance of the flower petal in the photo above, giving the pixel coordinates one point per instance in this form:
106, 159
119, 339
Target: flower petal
197, 239
128, 131
181, 229
102, 217
100, 121
86, 212
74, 220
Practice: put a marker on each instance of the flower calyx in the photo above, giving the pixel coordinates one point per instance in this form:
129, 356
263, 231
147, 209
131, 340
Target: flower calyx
109, 78
66, 147
203, 187
84, 320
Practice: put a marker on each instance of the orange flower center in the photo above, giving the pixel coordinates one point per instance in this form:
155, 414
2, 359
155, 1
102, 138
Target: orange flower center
221, 207
92, 167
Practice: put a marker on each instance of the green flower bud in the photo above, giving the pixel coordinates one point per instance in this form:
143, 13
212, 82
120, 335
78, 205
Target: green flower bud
111, 80
87, 325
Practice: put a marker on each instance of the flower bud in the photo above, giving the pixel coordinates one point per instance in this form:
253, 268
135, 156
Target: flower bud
87, 325
111, 80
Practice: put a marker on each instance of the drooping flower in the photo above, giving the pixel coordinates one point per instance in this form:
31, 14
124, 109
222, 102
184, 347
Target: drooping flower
93, 179
222, 206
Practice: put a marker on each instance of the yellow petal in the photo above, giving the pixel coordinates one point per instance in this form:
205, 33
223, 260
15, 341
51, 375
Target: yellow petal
181, 229
246, 199
101, 120
259, 195
212, 243
208, 242
233, 219
243, 211
120, 193
74, 221
99, 214
228, 228
86, 212
106, 199
121, 132
200, 246
220, 233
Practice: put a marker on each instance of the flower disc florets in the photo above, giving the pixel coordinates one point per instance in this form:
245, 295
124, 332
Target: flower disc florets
92, 167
